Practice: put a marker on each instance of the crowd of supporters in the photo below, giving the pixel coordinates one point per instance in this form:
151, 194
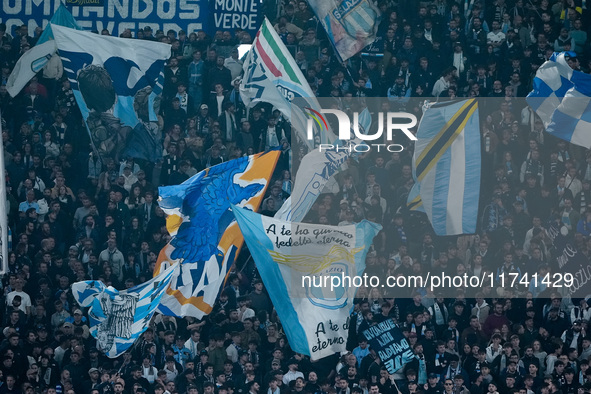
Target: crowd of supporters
75, 215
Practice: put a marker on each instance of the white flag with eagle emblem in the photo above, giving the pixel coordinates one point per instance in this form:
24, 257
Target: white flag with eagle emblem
118, 318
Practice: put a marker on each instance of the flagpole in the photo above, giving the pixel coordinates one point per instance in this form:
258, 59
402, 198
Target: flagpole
3, 213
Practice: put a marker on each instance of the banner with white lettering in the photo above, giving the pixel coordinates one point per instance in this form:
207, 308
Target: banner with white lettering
390, 344
572, 269
118, 15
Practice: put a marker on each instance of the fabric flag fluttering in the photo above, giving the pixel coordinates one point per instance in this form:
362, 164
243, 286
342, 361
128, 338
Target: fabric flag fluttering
3, 212
552, 81
117, 83
314, 172
271, 75
446, 167
205, 237
390, 345
293, 260
118, 318
350, 25
561, 97
33, 61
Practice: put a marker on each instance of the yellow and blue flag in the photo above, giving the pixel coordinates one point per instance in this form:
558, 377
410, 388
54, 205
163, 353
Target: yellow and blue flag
205, 237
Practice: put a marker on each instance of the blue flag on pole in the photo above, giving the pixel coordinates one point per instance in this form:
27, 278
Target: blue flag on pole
118, 318
446, 167
300, 265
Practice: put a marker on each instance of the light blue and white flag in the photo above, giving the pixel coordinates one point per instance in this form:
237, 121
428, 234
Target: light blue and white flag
351, 25
304, 268
117, 83
571, 121
33, 61
552, 81
446, 167
118, 318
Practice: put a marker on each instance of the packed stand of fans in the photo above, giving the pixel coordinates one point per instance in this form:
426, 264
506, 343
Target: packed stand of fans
75, 215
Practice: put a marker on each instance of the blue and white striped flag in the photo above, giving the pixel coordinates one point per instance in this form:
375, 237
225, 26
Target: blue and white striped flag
571, 121
300, 265
118, 318
552, 81
446, 167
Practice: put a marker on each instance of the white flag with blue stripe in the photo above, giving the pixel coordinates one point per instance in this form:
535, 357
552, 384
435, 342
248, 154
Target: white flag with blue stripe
118, 318
446, 167
294, 259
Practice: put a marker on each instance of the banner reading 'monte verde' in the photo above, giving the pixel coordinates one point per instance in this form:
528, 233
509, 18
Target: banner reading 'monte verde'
118, 15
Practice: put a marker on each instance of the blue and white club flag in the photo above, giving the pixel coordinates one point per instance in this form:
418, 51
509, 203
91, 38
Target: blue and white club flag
446, 167
117, 83
36, 58
552, 81
350, 25
571, 121
304, 268
118, 318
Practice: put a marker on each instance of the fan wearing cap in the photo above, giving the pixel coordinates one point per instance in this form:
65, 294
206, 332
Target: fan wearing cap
78, 320
573, 337
292, 371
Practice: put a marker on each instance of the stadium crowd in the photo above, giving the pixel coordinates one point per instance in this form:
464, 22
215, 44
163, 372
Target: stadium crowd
75, 215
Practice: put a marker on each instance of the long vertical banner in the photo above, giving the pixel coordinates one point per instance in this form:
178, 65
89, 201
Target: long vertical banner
3, 213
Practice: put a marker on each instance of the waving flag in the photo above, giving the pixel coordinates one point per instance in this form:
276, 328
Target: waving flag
571, 121
293, 260
205, 238
271, 75
117, 83
552, 81
351, 25
37, 57
446, 167
388, 341
561, 97
314, 172
118, 318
